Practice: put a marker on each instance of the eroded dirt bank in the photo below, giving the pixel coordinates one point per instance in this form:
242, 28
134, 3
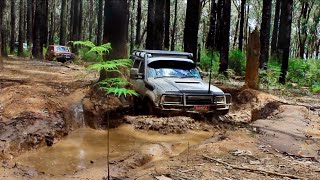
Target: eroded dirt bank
37, 103
263, 137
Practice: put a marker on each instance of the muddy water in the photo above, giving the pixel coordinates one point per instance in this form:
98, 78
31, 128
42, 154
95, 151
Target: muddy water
85, 148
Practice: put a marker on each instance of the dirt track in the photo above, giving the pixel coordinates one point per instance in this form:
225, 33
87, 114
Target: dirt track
264, 136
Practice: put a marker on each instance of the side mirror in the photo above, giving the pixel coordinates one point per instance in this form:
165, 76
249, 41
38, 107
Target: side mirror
134, 73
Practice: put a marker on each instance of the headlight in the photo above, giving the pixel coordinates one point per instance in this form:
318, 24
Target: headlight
220, 99
172, 99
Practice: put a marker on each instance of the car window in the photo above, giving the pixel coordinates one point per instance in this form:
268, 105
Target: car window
179, 69
62, 48
141, 67
136, 63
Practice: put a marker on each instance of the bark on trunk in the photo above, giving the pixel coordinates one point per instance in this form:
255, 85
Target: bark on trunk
224, 52
52, 25
252, 66
138, 25
275, 33
39, 26
29, 22
243, 5
285, 38
3, 30
100, 22
302, 26
156, 25
219, 26
132, 26
167, 25
21, 29
212, 31
116, 28
63, 22
13, 26
265, 33
174, 28
191, 29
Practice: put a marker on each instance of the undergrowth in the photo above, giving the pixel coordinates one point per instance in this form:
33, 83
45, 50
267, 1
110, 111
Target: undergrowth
301, 73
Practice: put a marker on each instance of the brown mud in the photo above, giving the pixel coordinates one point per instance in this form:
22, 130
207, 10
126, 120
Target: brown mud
53, 125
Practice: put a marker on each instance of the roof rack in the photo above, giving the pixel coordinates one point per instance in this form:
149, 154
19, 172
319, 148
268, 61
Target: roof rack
160, 53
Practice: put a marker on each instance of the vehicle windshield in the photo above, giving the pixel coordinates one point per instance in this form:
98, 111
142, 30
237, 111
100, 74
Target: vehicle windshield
62, 48
176, 69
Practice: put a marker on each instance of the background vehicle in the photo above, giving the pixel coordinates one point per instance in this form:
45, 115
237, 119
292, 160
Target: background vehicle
170, 81
59, 53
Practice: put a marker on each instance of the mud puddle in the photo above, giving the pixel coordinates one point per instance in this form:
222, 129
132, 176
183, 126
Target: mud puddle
85, 148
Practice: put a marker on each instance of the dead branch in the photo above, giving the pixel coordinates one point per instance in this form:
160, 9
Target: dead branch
251, 169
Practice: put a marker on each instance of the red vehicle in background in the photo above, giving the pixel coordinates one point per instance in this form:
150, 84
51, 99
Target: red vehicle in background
59, 53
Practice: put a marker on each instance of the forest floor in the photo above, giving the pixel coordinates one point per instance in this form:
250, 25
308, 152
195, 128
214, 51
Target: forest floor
42, 133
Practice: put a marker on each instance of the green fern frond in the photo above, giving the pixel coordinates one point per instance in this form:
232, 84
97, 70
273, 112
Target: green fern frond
114, 82
111, 65
120, 91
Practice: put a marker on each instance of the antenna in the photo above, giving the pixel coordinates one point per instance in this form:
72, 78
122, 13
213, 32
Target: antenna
210, 73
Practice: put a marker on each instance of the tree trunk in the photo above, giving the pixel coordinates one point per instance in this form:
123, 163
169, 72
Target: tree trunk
138, 26
2, 7
219, 26
237, 28
76, 23
71, 19
100, 18
275, 33
45, 30
21, 28
132, 27
167, 25
40, 19
63, 22
91, 19
13, 27
116, 28
190, 38
52, 30
212, 31
265, 33
174, 28
225, 41
252, 66
80, 20
285, 38
302, 26
29, 22
3, 30
243, 5
155, 25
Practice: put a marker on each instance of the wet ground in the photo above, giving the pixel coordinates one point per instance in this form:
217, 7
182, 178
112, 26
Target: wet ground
86, 147
46, 110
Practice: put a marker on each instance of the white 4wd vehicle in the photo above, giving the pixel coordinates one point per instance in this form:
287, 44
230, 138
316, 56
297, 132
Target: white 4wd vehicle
170, 81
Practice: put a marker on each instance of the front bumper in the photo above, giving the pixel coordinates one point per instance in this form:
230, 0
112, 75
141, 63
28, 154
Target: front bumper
192, 106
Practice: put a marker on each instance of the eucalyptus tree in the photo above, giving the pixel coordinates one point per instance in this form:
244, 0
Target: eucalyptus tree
190, 38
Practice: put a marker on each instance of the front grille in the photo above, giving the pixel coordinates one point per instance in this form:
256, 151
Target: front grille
199, 100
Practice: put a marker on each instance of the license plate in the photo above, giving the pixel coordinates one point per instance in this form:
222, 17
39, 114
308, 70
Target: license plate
201, 108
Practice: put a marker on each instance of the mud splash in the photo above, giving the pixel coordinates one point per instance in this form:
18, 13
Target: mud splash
85, 147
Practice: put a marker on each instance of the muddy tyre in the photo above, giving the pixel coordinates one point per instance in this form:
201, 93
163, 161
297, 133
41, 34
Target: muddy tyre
149, 108
222, 112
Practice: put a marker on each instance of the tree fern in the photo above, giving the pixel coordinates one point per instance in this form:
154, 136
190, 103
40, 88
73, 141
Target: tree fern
114, 86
